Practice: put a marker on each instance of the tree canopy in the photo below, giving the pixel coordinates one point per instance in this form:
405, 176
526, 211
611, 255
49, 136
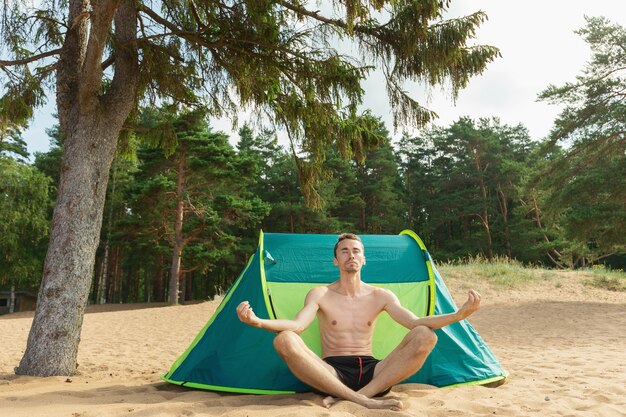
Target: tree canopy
275, 56
586, 181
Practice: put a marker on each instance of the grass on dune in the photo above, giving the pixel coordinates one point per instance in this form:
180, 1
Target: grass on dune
510, 273
612, 280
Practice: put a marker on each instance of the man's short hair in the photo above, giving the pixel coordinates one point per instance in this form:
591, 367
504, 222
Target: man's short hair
344, 236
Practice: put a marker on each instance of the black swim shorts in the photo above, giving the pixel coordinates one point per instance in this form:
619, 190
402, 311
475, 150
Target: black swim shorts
355, 371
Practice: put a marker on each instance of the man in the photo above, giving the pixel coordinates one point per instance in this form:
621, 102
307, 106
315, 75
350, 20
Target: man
347, 310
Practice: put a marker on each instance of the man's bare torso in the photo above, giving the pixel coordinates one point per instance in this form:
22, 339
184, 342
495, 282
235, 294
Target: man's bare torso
347, 322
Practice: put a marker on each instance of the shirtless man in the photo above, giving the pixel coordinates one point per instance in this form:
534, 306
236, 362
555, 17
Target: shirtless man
347, 311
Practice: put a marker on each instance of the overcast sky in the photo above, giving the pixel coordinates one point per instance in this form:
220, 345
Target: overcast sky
538, 46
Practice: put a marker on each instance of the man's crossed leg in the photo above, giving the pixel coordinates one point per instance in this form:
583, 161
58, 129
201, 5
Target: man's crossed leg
402, 362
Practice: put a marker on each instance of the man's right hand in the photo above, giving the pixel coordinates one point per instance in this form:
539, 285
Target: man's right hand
246, 315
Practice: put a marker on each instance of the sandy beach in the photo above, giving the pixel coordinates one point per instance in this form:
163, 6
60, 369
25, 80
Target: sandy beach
564, 345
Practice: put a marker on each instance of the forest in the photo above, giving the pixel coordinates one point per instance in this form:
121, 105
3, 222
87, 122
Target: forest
188, 202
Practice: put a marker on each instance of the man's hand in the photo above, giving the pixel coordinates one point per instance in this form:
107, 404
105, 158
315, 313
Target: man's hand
246, 315
471, 305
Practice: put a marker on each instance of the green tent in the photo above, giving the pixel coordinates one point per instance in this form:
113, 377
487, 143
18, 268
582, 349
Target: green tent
228, 355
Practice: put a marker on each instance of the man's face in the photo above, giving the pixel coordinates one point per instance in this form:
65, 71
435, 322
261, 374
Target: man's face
350, 256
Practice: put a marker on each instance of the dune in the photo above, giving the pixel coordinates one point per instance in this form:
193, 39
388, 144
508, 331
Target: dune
564, 345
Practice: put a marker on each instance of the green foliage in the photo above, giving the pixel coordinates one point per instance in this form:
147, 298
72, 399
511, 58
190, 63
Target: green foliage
462, 186
289, 211
206, 179
49, 163
358, 197
23, 93
12, 145
378, 182
428, 183
24, 222
586, 183
347, 203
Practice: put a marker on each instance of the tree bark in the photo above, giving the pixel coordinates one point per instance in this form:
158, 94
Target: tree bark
179, 242
410, 200
504, 209
95, 296
174, 291
552, 253
189, 286
159, 280
90, 123
104, 277
484, 216
55, 332
116, 293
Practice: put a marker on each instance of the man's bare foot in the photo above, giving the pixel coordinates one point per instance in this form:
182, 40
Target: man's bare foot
330, 401
386, 404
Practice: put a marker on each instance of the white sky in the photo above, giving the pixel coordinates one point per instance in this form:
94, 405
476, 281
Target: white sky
538, 46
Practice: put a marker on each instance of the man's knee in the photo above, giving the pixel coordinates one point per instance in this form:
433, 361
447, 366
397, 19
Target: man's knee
286, 343
423, 338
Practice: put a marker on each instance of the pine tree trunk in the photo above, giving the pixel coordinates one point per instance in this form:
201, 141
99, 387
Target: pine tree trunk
362, 219
102, 282
138, 287
117, 277
489, 240
97, 277
178, 234
484, 216
176, 258
552, 253
147, 289
53, 340
189, 286
410, 201
504, 209
159, 281
91, 123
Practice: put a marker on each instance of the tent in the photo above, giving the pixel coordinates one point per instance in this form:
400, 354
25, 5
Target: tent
228, 355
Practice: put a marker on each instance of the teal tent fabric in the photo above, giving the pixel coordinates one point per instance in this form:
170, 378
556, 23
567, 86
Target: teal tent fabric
308, 258
228, 355
461, 356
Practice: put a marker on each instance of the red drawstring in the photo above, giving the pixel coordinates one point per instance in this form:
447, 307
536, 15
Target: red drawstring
360, 369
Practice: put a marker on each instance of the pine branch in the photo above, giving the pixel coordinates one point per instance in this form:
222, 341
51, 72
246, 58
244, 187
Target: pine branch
315, 15
190, 36
108, 62
30, 59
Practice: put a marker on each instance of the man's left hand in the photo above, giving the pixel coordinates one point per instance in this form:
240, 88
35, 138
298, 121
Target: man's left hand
471, 305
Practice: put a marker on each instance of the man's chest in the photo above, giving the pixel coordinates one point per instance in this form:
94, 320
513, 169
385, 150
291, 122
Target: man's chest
349, 313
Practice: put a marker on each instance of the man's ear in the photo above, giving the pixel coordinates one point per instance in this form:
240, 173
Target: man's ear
335, 262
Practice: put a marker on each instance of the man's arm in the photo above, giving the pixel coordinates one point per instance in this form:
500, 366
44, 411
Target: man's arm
409, 320
297, 325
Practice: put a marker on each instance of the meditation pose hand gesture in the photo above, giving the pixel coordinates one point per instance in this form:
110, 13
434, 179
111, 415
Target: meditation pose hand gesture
347, 310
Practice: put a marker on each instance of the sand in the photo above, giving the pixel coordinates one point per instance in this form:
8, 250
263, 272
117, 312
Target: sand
563, 343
